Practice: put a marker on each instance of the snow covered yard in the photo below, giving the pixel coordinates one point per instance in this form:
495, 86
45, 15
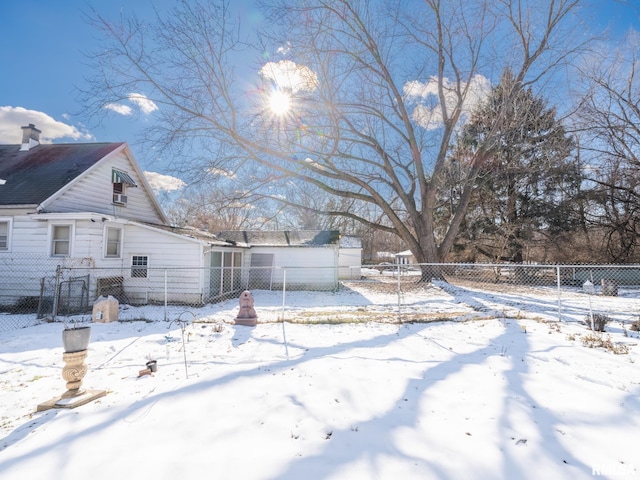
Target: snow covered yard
490, 395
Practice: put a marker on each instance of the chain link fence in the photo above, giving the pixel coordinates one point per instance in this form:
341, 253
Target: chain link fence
44, 289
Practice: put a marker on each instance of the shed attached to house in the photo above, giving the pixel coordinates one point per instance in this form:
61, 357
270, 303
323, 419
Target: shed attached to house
301, 259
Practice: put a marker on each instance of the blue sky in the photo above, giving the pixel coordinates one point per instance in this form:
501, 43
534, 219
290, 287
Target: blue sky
41, 53
43, 56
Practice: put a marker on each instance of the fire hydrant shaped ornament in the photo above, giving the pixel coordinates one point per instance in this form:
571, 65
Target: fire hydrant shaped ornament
247, 314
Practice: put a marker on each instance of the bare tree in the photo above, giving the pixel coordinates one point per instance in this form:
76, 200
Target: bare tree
609, 116
364, 102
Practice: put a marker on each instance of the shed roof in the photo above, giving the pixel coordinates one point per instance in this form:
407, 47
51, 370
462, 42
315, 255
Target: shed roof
282, 238
191, 232
32, 176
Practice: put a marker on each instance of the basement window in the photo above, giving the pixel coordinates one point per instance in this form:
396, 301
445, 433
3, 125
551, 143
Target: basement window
139, 264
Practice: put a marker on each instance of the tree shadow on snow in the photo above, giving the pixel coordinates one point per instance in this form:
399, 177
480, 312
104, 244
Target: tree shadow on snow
345, 446
350, 447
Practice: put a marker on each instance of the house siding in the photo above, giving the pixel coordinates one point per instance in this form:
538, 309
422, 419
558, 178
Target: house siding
350, 262
172, 259
306, 267
94, 193
180, 257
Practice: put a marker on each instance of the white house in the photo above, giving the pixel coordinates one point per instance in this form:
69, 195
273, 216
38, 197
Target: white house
81, 217
69, 207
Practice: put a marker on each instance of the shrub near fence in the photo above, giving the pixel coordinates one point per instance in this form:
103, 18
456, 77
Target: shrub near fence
549, 292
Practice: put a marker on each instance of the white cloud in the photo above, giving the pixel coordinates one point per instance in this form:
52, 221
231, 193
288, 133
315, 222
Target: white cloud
12, 118
222, 173
286, 48
286, 74
428, 111
164, 183
119, 108
147, 106
139, 100
314, 164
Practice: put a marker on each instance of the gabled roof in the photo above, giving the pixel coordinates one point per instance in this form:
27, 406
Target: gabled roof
34, 175
281, 238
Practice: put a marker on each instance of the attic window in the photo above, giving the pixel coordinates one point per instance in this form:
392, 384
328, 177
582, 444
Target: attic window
120, 177
118, 194
120, 182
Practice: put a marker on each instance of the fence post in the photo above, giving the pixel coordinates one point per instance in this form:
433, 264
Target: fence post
399, 296
559, 293
165, 295
56, 294
284, 290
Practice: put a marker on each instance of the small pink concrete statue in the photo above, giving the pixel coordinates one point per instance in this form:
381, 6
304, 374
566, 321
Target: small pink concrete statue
247, 314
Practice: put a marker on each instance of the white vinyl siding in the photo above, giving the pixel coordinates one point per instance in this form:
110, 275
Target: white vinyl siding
176, 259
324, 259
94, 193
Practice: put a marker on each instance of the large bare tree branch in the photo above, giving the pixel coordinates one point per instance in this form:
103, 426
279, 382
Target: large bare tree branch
393, 83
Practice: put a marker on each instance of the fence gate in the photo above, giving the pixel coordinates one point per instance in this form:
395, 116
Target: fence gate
72, 296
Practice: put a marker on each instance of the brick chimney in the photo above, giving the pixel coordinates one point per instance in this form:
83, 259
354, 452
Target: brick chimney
30, 137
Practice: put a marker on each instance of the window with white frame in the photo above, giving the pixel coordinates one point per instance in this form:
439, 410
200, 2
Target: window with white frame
5, 234
61, 236
113, 242
139, 264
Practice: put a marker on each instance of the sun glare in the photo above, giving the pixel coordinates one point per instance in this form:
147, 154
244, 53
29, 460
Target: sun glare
280, 102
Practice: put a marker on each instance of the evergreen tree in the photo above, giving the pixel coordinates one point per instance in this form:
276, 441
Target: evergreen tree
528, 184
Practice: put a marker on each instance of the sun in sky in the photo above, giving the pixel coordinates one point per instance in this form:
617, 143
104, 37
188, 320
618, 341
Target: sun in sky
287, 79
280, 102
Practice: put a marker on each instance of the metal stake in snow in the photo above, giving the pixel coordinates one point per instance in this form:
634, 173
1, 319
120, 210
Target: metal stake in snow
183, 325
559, 293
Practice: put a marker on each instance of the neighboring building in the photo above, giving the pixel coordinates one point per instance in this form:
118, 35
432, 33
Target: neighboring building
82, 217
405, 258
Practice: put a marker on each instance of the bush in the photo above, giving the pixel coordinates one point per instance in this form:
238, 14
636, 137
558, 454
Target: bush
594, 340
599, 321
635, 326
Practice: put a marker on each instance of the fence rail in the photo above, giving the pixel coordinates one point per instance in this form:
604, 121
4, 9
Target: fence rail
386, 292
